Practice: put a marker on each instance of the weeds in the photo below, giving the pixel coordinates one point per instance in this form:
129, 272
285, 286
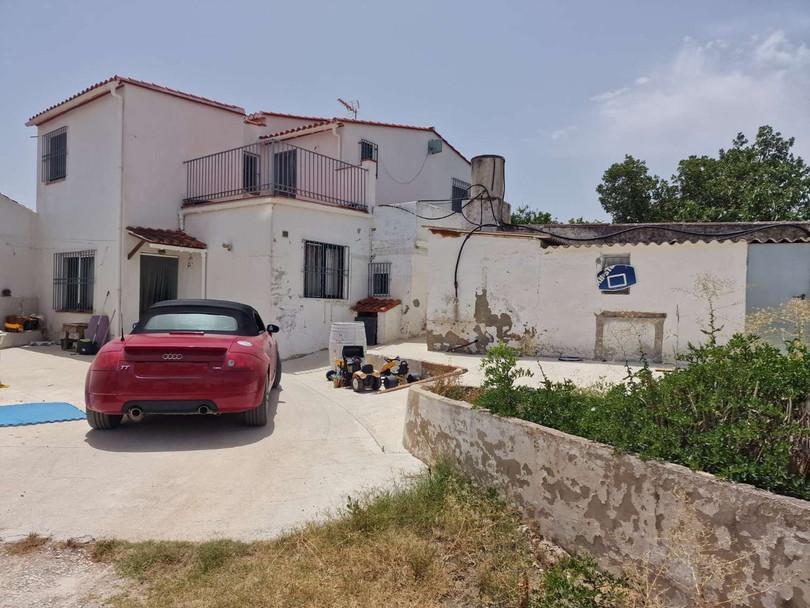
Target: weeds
29, 544
740, 411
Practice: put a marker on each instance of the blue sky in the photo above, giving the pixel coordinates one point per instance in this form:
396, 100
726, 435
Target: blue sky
561, 89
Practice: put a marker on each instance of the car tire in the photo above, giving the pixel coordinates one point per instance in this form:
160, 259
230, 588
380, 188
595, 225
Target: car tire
277, 379
376, 383
103, 422
357, 384
390, 382
258, 415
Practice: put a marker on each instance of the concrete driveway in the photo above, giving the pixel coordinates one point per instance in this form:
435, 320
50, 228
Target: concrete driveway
191, 478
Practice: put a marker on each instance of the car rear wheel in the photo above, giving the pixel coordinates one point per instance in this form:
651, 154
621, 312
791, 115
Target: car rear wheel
277, 379
258, 416
357, 384
103, 422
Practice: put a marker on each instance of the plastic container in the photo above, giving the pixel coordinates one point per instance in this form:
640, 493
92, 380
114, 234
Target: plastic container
342, 334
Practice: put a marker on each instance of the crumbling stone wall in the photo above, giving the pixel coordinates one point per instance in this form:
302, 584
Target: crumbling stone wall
585, 496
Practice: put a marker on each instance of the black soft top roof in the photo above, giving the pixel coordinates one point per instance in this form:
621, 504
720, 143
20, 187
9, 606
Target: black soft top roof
204, 304
246, 316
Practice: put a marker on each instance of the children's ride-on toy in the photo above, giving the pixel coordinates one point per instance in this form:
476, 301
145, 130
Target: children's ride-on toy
353, 372
395, 372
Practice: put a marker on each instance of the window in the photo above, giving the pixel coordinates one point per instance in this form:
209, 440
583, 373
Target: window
613, 260
73, 281
325, 270
379, 279
460, 190
189, 321
285, 170
368, 150
54, 155
250, 172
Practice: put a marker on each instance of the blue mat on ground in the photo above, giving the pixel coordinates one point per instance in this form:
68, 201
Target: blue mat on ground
38, 413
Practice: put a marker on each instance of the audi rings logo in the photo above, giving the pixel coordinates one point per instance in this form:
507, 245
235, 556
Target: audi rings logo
172, 357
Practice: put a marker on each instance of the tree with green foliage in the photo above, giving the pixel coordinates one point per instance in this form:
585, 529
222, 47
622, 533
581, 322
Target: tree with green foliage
751, 181
525, 215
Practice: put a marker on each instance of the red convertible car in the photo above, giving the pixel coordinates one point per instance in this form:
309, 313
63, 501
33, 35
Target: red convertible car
186, 357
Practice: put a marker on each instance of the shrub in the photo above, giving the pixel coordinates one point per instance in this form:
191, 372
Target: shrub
737, 410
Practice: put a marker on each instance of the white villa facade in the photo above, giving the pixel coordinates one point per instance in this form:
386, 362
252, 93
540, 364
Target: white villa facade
145, 192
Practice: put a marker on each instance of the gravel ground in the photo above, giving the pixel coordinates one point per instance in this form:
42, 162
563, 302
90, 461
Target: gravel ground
54, 577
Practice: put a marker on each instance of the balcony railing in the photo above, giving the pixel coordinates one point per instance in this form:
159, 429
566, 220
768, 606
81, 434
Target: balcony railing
275, 168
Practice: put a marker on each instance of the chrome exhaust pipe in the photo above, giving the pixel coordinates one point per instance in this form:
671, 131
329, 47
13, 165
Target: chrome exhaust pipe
135, 414
203, 410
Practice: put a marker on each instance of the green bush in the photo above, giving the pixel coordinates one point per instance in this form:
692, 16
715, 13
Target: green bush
734, 410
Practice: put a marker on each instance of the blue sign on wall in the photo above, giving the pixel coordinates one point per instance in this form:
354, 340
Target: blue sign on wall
617, 277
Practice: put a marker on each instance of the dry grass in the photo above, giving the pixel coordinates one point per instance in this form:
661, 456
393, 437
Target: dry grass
438, 542
29, 544
451, 387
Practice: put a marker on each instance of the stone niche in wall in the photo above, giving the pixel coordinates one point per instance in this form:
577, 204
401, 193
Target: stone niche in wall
629, 336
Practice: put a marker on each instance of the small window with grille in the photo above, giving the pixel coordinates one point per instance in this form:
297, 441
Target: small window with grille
613, 260
379, 279
326, 270
73, 280
54, 155
368, 150
459, 191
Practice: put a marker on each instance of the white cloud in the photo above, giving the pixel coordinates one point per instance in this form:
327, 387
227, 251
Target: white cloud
562, 133
698, 101
610, 94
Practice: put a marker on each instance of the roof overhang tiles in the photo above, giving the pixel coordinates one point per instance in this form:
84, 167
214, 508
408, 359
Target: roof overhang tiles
106, 86
169, 238
370, 305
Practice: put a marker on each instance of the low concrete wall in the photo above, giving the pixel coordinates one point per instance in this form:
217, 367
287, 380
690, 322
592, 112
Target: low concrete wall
584, 496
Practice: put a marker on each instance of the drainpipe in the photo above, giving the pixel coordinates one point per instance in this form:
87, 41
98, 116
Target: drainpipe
335, 128
120, 98
204, 254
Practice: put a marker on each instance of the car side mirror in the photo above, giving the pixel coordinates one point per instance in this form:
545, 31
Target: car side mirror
273, 329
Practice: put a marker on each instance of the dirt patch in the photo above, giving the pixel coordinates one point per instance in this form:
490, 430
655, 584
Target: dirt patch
53, 575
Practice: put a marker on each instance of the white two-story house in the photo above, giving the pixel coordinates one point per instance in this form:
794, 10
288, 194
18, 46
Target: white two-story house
148, 193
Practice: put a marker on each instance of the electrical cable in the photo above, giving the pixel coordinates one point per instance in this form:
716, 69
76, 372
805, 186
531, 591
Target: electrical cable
672, 229
410, 181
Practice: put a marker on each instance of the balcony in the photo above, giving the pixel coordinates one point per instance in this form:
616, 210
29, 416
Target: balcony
275, 168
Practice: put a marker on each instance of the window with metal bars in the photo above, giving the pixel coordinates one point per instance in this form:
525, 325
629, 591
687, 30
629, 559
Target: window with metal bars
73, 280
458, 192
379, 279
326, 270
54, 155
368, 150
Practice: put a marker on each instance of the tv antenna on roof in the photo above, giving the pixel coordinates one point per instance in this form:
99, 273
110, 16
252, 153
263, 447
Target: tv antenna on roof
352, 106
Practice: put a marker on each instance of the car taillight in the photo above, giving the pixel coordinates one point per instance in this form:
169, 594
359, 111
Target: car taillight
106, 361
241, 362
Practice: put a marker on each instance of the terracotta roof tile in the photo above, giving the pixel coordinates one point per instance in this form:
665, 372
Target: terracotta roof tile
160, 236
297, 129
316, 119
375, 305
145, 84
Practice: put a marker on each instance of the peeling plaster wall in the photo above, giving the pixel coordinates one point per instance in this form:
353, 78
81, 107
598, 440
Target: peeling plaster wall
265, 268
545, 300
401, 238
306, 322
584, 496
